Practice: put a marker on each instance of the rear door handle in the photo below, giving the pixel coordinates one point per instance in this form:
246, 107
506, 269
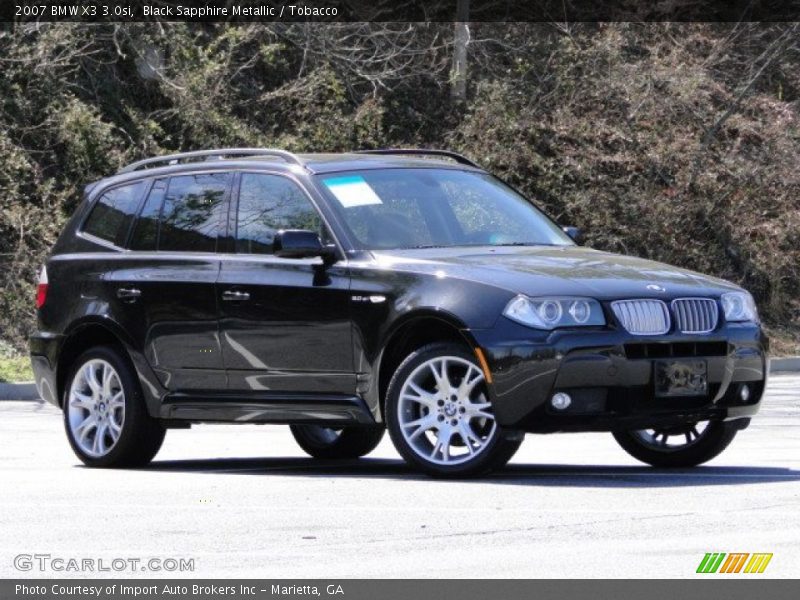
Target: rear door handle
129, 294
235, 296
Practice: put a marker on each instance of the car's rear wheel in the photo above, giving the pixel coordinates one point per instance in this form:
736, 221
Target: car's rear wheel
329, 443
104, 413
685, 445
440, 417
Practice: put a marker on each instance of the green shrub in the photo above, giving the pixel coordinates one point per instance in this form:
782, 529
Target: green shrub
677, 142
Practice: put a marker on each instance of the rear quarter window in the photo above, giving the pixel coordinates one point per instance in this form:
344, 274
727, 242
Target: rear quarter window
111, 216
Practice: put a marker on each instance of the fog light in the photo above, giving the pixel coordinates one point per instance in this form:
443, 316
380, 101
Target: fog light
744, 393
560, 401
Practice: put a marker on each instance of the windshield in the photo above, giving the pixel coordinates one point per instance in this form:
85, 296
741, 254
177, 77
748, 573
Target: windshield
425, 208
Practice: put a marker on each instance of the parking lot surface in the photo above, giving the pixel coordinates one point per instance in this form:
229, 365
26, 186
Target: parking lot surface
244, 501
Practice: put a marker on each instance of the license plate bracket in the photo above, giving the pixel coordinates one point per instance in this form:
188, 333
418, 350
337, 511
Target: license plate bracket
680, 378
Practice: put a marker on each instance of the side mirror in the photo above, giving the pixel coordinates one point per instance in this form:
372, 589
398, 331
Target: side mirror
575, 233
299, 243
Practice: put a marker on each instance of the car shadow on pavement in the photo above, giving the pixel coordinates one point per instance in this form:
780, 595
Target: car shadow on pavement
548, 475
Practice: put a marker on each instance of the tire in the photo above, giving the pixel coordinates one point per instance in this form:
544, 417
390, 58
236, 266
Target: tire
652, 446
102, 395
333, 444
443, 424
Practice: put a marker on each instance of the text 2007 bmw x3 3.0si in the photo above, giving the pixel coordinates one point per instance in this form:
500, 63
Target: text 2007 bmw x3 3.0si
343, 294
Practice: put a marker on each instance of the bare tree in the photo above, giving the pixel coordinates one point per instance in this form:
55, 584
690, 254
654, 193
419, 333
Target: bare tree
460, 43
380, 56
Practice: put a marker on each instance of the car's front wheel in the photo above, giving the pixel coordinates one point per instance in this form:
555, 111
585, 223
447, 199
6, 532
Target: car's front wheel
685, 445
329, 443
440, 417
105, 417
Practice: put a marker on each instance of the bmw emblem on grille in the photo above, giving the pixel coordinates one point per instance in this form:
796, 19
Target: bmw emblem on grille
656, 288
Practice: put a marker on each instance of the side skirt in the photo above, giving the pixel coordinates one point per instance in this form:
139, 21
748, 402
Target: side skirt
332, 410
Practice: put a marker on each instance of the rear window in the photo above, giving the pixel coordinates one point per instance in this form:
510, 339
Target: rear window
111, 216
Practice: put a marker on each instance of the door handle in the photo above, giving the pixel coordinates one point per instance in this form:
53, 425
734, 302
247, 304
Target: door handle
235, 296
128, 294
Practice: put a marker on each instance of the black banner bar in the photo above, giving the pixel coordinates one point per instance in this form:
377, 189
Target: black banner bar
243, 11
742, 588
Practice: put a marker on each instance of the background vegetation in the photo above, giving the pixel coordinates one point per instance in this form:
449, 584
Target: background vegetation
677, 142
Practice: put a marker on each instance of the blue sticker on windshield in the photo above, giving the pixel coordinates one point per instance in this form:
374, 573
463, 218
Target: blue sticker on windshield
352, 190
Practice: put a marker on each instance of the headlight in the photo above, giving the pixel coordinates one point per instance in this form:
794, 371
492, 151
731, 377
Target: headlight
739, 306
551, 313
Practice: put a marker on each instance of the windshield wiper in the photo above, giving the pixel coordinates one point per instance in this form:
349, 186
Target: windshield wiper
524, 244
426, 246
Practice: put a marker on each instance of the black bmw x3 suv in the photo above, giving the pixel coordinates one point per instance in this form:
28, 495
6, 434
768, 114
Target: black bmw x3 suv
344, 294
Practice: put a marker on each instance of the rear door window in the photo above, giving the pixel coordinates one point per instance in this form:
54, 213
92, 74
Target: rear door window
111, 216
145, 232
191, 212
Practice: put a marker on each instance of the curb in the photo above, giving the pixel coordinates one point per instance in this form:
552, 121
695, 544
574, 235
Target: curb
27, 391
18, 391
784, 365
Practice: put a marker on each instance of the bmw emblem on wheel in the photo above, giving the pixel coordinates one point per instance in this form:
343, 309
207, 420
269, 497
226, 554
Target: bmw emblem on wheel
656, 288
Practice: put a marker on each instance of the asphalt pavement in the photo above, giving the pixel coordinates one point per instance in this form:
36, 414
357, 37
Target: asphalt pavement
243, 501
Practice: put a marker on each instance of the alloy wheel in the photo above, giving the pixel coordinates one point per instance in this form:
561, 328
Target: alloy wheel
96, 408
670, 439
323, 435
443, 412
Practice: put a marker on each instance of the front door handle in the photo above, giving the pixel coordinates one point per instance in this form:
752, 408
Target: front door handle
128, 294
235, 296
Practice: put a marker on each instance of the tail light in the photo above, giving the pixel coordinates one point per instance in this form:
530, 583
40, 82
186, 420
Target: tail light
41, 289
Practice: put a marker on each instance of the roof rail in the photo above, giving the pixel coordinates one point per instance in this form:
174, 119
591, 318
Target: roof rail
422, 152
173, 159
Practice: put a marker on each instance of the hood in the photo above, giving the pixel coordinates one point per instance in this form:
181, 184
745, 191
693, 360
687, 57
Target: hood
557, 270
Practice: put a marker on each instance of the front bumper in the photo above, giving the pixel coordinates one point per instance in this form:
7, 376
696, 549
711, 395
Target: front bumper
609, 375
